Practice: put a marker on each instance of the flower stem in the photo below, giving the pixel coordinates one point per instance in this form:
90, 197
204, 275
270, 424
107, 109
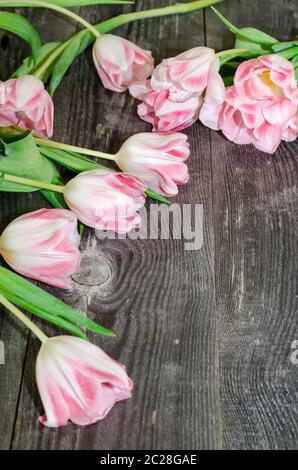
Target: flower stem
164, 11
51, 6
73, 148
15, 311
231, 51
230, 54
33, 183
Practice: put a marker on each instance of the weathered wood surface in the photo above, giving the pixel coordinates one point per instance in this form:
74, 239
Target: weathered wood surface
206, 335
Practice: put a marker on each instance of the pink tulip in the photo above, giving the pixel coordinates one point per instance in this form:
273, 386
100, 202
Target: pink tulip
156, 158
78, 381
43, 245
172, 99
120, 62
106, 200
25, 103
261, 107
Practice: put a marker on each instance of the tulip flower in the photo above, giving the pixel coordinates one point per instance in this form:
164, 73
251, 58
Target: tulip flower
106, 200
78, 381
101, 198
261, 108
156, 158
120, 62
43, 245
24, 102
173, 97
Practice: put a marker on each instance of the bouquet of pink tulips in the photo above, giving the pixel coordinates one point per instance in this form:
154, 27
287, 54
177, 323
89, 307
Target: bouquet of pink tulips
249, 93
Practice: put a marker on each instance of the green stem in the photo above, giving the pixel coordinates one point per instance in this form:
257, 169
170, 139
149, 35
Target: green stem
140, 15
15, 311
231, 51
73, 148
52, 6
32, 183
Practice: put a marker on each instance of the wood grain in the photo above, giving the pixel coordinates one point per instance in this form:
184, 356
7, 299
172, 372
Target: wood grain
255, 227
206, 335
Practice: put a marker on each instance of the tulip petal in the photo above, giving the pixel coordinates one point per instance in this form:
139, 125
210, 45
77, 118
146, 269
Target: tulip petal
278, 113
120, 62
268, 137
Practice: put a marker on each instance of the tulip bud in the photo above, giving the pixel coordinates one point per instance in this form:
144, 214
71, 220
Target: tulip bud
156, 158
120, 62
78, 381
106, 200
25, 103
43, 245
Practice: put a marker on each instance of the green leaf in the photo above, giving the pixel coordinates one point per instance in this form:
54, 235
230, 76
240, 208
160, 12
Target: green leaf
227, 72
250, 34
71, 160
28, 66
4, 149
25, 160
242, 43
281, 46
243, 55
60, 322
228, 80
35, 300
21, 27
156, 196
64, 61
289, 53
258, 37
12, 134
55, 199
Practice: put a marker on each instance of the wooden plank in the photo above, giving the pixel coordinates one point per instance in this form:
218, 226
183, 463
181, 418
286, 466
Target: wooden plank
164, 309
158, 297
14, 337
255, 220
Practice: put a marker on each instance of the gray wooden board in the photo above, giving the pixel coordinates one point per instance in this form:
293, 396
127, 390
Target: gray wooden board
206, 335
